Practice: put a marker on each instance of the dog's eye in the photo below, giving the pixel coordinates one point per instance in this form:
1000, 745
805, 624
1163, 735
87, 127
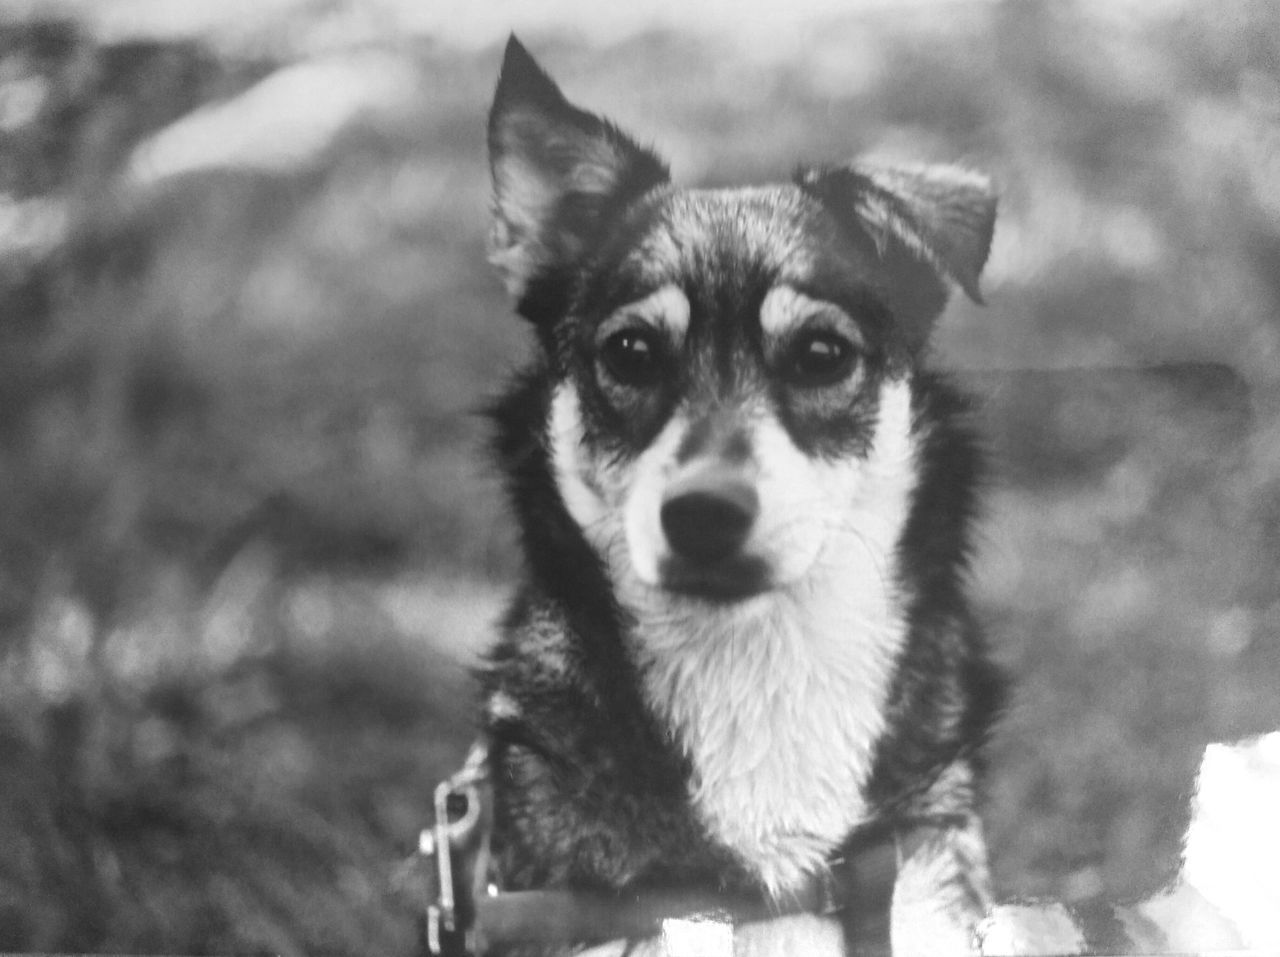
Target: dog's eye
819, 358
633, 357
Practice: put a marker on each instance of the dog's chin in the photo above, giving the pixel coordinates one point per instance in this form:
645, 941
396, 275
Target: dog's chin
726, 582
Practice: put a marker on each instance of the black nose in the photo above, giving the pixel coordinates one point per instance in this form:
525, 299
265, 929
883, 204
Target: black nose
708, 516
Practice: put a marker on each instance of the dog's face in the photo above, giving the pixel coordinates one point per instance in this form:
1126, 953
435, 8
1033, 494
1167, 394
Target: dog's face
732, 402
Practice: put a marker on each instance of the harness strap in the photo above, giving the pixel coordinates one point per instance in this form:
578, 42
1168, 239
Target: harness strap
467, 915
861, 887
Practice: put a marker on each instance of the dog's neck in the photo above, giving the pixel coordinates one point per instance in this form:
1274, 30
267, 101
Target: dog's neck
778, 702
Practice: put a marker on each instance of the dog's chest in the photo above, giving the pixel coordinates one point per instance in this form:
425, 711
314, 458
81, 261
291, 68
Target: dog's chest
779, 708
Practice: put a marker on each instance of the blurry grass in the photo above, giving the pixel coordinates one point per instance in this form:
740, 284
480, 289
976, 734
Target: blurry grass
206, 803
250, 534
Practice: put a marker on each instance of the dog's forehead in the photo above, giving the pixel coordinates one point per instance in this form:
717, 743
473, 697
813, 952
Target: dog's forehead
777, 233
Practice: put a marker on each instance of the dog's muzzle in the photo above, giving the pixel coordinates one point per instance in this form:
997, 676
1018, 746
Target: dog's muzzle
707, 517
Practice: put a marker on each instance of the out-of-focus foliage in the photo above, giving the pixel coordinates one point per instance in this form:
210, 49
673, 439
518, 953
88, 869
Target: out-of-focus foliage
250, 535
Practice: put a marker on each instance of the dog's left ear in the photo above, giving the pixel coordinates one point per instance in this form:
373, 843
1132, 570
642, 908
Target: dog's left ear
558, 172
944, 215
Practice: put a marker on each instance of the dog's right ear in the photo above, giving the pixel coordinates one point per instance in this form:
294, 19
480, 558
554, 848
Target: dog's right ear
558, 171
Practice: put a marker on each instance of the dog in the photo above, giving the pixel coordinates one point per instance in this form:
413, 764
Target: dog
742, 642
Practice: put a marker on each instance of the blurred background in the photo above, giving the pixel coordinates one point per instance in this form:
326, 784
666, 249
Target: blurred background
250, 541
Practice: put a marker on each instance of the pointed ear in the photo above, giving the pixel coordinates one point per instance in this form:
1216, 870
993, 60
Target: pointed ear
558, 172
944, 215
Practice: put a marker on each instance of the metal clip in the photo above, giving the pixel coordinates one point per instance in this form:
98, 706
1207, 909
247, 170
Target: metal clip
441, 839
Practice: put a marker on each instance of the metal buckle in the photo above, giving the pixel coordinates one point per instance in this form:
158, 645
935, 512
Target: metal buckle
439, 841
828, 901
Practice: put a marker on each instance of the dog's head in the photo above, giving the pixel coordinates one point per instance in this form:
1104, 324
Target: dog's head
732, 368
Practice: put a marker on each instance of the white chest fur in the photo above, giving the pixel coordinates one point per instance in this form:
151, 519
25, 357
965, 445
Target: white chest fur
779, 708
